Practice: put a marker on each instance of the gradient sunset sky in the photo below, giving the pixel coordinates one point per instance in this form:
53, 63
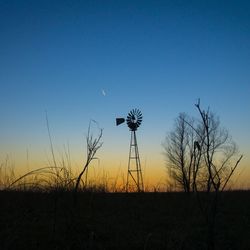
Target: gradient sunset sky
82, 60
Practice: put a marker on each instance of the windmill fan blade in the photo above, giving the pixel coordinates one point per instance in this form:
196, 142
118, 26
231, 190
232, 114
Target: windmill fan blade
119, 121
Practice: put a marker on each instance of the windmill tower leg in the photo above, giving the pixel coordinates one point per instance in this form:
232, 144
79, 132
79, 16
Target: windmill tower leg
134, 174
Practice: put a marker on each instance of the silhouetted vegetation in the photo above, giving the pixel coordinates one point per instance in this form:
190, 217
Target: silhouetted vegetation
93, 145
201, 155
120, 221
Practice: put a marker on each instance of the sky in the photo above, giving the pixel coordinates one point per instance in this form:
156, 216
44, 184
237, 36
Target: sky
83, 60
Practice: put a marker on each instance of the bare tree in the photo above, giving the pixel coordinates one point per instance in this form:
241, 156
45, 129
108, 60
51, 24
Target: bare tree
200, 153
93, 145
180, 153
219, 150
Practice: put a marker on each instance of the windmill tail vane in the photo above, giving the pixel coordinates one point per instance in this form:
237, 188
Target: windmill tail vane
119, 121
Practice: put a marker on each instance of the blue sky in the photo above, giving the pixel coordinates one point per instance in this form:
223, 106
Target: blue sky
158, 56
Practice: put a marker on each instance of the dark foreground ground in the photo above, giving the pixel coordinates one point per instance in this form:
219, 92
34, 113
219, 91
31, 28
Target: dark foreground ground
123, 221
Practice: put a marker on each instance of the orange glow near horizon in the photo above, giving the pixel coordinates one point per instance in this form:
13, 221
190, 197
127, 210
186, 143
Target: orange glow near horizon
113, 171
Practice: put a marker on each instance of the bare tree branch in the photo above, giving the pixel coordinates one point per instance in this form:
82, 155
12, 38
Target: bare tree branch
93, 145
231, 173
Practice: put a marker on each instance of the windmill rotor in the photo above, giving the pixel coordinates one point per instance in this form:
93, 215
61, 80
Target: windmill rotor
134, 119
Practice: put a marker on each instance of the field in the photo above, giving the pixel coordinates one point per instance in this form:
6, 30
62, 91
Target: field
31, 220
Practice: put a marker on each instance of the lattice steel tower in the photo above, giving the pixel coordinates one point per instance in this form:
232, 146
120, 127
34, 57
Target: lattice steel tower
134, 175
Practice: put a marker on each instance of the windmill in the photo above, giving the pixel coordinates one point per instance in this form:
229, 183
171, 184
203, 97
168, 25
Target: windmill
134, 175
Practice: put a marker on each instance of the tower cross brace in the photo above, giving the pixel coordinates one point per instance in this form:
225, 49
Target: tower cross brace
134, 174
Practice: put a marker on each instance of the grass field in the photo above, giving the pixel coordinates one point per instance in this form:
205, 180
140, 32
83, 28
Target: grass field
31, 220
